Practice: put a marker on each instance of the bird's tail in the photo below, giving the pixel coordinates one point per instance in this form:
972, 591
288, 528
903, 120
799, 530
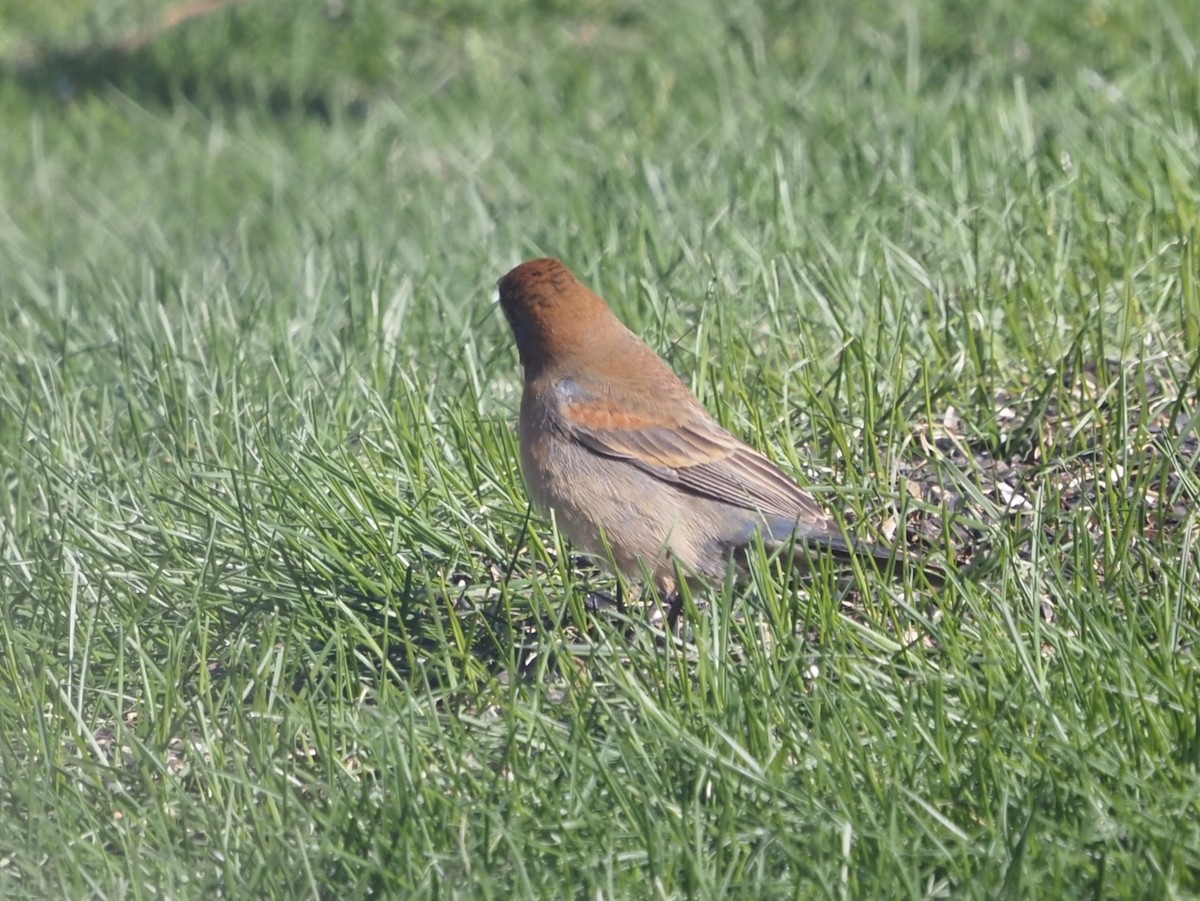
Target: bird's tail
804, 544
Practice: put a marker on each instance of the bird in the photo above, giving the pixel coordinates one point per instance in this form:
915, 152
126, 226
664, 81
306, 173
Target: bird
635, 470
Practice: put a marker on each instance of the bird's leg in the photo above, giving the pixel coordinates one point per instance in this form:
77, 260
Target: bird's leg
674, 602
667, 610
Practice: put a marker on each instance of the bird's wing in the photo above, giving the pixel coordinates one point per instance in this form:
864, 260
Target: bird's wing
693, 453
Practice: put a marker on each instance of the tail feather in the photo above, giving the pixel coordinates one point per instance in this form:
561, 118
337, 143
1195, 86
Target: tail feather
821, 538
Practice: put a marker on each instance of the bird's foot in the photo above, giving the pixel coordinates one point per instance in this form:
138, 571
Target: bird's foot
600, 602
667, 614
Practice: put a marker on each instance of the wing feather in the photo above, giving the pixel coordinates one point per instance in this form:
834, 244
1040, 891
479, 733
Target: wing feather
696, 455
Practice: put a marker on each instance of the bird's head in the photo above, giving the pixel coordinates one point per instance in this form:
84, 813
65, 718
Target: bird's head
551, 313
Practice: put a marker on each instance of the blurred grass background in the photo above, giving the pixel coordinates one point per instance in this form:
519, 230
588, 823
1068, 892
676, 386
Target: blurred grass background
274, 619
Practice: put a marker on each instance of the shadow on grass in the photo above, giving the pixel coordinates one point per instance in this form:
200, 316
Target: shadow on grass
443, 640
189, 55
141, 74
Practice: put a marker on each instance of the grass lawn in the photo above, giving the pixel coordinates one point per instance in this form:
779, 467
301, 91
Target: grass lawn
275, 619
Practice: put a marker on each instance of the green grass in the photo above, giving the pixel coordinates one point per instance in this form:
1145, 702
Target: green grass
274, 617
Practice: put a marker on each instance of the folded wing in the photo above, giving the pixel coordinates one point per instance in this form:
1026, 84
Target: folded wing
693, 453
